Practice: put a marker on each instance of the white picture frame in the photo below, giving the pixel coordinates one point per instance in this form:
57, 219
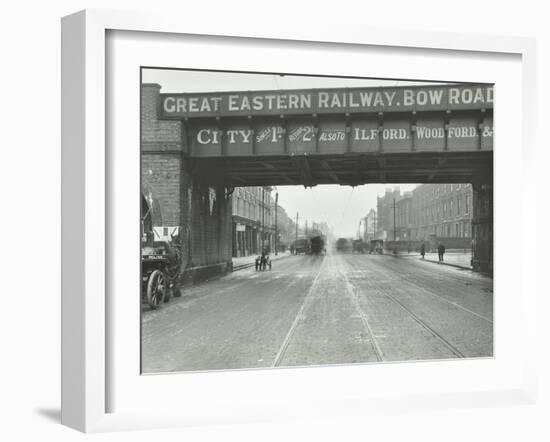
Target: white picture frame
87, 213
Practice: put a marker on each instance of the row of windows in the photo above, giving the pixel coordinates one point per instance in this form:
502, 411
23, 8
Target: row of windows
434, 190
423, 202
449, 209
425, 195
251, 211
253, 194
449, 230
436, 212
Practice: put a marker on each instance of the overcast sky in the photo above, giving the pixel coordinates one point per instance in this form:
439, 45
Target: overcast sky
341, 206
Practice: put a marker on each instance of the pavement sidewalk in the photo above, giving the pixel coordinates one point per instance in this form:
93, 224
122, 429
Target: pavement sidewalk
243, 262
455, 258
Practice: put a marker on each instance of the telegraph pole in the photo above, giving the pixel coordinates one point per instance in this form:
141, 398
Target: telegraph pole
296, 226
276, 227
394, 230
263, 224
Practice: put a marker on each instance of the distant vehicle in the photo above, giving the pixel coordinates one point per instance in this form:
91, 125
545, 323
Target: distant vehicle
376, 246
301, 246
401, 246
317, 245
282, 247
358, 246
343, 245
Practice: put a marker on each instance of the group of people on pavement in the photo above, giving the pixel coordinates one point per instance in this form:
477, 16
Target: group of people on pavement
440, 251
263, 261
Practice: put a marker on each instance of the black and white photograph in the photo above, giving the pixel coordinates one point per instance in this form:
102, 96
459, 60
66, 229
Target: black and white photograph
294, 221
235, 221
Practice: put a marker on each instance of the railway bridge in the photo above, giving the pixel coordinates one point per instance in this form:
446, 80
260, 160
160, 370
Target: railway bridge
352, 136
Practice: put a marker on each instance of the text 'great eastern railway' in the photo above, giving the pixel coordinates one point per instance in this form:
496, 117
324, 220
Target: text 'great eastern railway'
326, 101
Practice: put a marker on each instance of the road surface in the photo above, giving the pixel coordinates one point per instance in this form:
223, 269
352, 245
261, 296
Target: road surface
334, 309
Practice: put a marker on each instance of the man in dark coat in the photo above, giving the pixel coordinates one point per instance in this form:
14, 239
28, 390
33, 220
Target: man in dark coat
263, 260
441, 251
422, 250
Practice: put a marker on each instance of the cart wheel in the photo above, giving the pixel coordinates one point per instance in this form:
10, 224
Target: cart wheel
156, 289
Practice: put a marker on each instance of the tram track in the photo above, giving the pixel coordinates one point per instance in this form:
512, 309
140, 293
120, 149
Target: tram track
299, 316
311, 297
422, 323
385, 292
442, 298
454, 304
377, 350
428, 292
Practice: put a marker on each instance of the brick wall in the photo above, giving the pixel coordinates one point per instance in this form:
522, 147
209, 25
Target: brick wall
482, 226
160, 178
203, 213
157, 135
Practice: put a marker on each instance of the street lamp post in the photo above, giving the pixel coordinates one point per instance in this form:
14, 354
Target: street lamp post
262, 233
394, 230
276, 226
297, 214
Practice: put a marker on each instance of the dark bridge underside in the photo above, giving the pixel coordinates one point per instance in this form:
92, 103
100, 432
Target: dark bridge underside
350, 169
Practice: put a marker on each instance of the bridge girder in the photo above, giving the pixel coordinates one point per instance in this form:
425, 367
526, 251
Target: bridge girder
349, 169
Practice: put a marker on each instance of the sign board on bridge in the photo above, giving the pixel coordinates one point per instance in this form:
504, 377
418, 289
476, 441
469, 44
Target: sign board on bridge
363, 135
327, 101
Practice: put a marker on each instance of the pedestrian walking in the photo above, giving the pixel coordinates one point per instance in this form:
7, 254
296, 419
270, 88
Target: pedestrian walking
263, 260
422, 250
440, 251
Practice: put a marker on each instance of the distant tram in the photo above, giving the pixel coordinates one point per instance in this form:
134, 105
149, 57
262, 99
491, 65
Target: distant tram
376, 246
358, 246
300, 246
317, 245
343, 245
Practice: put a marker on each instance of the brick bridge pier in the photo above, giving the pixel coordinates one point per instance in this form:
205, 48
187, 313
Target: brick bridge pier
177, 203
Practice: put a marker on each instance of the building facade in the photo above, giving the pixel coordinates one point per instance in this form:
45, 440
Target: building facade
286, 228
176, 206
369, 226
404, 218
385, 206
253, 220
431, 213
443, 211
